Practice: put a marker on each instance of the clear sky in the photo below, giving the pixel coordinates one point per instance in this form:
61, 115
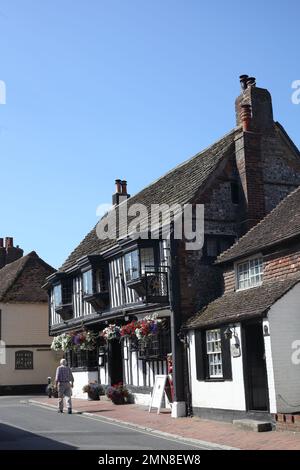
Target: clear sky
105, 89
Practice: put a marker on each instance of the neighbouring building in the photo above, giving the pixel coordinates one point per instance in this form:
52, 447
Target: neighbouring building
245, 346
26, 358
239, 179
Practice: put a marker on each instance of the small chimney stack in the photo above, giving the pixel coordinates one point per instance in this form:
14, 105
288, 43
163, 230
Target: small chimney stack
9, 252
121, 192
2, 254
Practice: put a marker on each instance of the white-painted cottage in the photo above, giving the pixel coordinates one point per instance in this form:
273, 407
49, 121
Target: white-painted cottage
244, 347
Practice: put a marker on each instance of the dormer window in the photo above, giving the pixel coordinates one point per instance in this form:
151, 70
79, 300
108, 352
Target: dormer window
249, 273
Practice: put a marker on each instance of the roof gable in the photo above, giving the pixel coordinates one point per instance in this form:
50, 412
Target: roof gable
21, 280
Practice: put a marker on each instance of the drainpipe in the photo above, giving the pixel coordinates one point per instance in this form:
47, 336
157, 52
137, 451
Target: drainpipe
179, 405
184, 338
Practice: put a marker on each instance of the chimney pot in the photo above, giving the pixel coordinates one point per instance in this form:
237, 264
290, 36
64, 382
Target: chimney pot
9, 242
251, 81
124, 186
118, 186
243, 81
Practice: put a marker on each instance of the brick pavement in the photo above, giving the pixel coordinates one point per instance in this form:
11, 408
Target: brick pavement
190, 428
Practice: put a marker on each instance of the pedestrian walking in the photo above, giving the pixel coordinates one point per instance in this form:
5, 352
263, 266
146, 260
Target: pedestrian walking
64, 382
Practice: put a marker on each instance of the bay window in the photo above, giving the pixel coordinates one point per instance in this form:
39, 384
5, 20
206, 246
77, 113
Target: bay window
57, 295
131, 261
137, 262
87, 281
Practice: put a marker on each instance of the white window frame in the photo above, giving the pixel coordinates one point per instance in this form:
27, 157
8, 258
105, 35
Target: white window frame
253, 279
213, 346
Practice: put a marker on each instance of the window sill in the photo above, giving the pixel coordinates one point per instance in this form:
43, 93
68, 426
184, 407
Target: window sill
248, 288
215, 379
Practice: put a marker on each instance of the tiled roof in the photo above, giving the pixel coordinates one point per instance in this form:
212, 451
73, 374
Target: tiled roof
179, 185
21, 280
242, 305
279, 225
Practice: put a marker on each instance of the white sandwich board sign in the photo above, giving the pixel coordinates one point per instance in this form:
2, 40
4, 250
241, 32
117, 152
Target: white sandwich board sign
158, 392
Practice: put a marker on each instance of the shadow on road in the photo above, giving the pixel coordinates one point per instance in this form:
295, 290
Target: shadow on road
12, 438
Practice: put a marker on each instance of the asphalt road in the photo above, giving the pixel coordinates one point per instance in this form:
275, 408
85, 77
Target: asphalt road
25, 426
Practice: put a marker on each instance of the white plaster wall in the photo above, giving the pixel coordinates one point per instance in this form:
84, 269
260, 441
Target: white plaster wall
45, 363
82, 378
284, 318
25, 325
269, 367
229, 394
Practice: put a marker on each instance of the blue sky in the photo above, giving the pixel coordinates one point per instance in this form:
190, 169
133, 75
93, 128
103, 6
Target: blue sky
105, 89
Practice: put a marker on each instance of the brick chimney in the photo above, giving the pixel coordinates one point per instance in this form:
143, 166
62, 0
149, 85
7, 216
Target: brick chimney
255, 116
9, 252
121, 192
260, 101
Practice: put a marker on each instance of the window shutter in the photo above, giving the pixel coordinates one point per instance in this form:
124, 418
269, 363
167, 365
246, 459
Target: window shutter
226, 356
199, 352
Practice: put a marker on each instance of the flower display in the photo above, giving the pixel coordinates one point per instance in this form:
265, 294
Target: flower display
129, 329
84, 340
118, 394
111, 332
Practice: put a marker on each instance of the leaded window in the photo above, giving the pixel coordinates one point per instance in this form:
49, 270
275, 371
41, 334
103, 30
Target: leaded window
23, 360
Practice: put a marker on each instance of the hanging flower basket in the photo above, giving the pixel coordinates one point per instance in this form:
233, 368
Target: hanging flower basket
111, 332
85, 340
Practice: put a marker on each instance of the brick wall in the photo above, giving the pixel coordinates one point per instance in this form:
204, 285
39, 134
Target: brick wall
283, 263
229, 279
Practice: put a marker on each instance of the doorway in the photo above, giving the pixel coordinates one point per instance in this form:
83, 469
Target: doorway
115, 361
256, 383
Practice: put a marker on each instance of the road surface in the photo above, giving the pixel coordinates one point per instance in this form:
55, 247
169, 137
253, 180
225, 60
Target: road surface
26, 426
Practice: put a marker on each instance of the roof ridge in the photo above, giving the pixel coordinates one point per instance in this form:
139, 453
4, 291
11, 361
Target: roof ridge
283, 201
233, 131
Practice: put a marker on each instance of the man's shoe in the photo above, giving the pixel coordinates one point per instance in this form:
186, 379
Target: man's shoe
69, 411
59, 411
